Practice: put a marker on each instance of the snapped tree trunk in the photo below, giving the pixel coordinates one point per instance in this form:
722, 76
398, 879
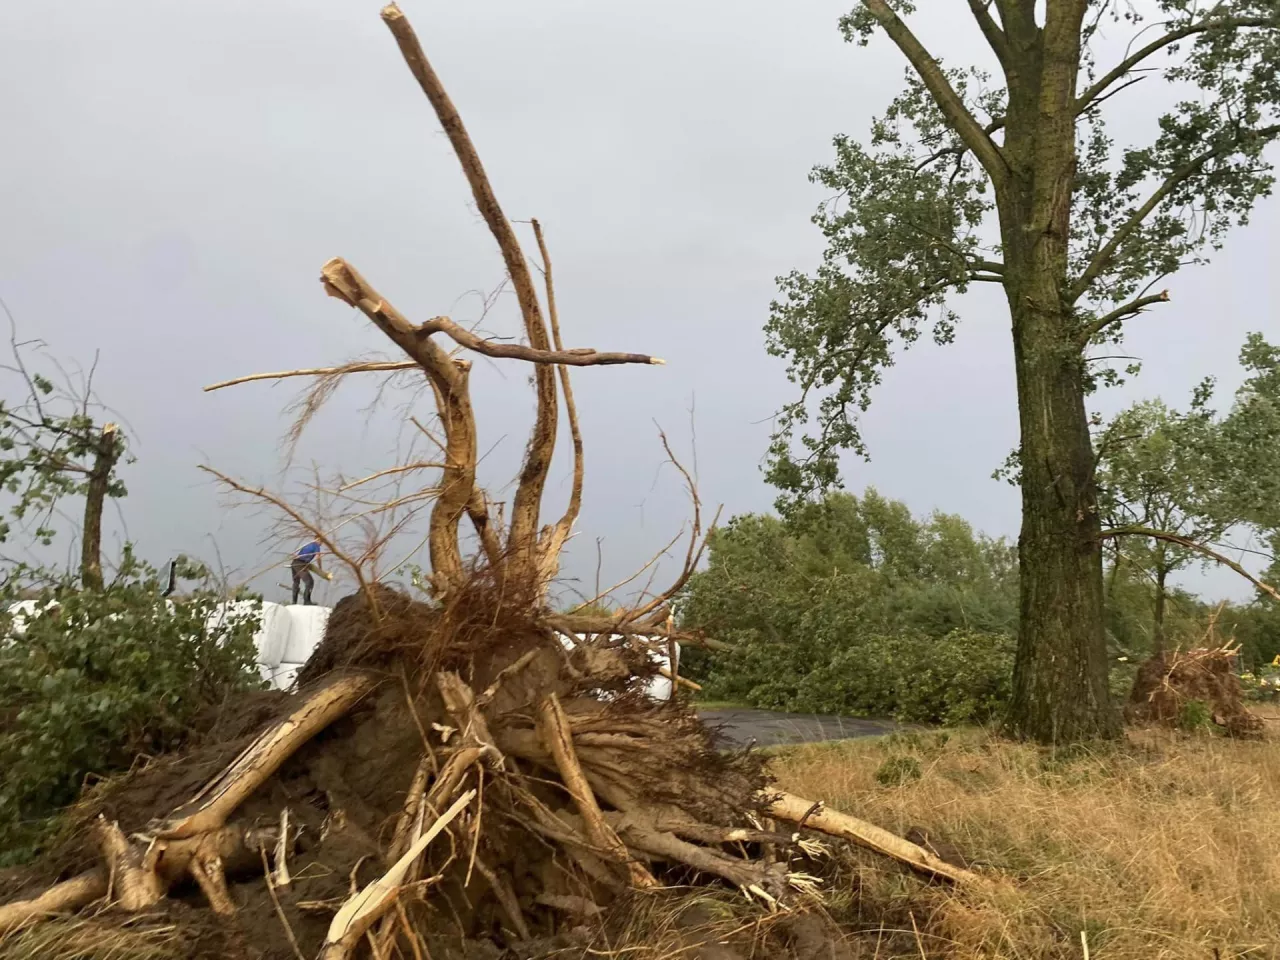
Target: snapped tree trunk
106, 455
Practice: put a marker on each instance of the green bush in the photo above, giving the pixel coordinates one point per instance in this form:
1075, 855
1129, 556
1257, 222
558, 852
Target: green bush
1195, 716
100, 678
962, 677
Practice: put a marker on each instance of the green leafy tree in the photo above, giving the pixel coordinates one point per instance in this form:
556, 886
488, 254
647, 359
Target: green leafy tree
851, 605
53, 446
1087, 229
1251, 442
1157, 473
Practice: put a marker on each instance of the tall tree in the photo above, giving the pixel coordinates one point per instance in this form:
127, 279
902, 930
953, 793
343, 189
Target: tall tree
53, 445
1086, 232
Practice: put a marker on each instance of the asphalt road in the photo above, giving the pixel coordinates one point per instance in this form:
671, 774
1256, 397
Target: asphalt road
767, 728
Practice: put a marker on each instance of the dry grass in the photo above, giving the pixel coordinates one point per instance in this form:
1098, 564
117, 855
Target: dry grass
80, 939
1160, 849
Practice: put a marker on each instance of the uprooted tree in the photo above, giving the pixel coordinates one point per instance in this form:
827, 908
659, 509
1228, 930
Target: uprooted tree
448, 768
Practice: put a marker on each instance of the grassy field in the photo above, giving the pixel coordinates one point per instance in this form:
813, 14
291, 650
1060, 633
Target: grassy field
1159, 849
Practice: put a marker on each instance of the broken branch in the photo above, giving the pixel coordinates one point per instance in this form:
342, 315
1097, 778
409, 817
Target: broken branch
846, 827
315, 372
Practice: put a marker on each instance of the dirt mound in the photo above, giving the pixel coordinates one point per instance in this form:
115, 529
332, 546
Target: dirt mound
1172, 687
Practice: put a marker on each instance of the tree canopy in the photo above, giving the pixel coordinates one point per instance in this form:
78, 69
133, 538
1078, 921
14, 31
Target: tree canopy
1016, 180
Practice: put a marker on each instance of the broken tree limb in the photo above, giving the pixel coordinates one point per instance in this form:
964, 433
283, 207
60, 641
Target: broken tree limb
1194, 545
795, 809
553, 728
576, 357
210, 808
65, 897
363, 909
358, 367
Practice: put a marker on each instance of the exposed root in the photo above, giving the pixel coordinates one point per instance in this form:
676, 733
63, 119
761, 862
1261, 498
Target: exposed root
359, 913
207, 870
65, 897
133, 880
553, 727
210, 809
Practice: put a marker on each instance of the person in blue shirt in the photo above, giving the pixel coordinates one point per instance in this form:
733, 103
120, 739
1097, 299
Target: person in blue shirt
303, 562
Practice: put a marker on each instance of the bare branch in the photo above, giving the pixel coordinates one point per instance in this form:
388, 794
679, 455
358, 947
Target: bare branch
1120, 314
994, 126
991, 30
391, 471
948, 101
361, 367
576, 357
697, 542
283, 506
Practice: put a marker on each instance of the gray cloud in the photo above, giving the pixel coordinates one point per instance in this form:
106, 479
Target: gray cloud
175, 174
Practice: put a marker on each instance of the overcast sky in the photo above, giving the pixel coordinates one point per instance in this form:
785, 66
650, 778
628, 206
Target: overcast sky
175, 174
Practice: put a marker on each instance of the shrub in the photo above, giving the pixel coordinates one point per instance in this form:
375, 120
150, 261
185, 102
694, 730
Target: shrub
963, 677
101, 677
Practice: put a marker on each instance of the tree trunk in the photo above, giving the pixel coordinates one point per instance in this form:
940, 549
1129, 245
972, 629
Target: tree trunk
1157, 620
105, 457
1060, 689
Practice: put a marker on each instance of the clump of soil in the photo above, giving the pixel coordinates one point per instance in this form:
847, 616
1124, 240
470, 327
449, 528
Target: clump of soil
1172, 688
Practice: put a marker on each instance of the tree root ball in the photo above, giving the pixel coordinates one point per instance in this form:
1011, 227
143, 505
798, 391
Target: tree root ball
1183, 688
